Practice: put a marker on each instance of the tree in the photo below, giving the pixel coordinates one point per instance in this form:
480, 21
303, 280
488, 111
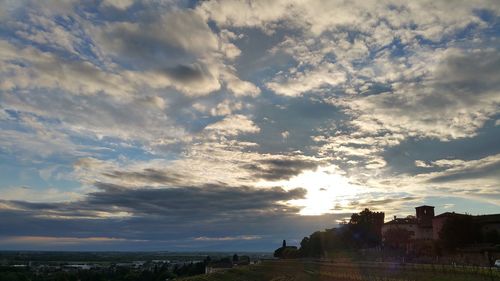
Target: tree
290, 253
286, 252
278, 252
316, 245
321, 242
304, 243
365, 228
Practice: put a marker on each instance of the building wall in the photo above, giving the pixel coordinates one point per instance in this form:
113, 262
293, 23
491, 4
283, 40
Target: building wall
424, 233
418, 233
412, 228
437, 225
485, 228
209, 269
427, 226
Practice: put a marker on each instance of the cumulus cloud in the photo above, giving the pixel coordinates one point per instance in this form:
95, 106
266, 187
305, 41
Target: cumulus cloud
303, 82
115, 79
233, 125
227, 162
181, 31
226, 107
442, 106
231, 119
99, 116
474, 180
240, 87
422, 164
285, 134
430, 18
281, 168
162, 45
171, 40
484, 169
37, 69
120, 4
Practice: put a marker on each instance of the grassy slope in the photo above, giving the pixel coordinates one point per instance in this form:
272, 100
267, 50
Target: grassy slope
309, 271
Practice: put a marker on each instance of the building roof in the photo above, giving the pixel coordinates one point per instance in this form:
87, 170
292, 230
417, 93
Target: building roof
449, 214
424, 206
493, 218
407, 220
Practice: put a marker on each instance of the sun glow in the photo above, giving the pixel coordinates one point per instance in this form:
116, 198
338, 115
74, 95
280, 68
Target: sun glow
327, 191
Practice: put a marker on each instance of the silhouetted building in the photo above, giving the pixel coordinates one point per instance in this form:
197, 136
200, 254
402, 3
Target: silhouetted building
420, 227
488, 223
425, 214
378, 222
218, 266
425, 225
439, 220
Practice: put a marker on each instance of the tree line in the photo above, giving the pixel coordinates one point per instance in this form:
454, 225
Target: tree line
362, 231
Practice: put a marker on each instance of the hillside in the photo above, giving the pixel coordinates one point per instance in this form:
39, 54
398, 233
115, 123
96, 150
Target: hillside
302, 270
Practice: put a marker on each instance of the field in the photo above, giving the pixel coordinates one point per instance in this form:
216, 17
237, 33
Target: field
317, 271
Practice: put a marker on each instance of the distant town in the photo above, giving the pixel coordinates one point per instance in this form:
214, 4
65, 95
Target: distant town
34, 265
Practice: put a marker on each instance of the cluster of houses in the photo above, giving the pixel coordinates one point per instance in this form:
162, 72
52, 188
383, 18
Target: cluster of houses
41, 267
426, 226
228, 263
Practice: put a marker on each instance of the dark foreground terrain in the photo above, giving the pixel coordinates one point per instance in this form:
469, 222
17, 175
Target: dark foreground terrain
296, 270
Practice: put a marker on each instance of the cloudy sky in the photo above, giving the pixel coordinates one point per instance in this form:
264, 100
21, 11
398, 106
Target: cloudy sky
231, 125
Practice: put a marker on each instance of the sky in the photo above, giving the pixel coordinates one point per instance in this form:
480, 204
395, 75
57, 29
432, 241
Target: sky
231, 125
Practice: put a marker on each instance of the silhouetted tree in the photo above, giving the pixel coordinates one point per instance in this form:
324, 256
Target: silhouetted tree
321, 242
365, 228
286, 252
304, 242
362, 230
316, 245
290, 253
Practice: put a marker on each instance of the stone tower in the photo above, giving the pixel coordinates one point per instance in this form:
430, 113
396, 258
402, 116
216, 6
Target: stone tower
424, 215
